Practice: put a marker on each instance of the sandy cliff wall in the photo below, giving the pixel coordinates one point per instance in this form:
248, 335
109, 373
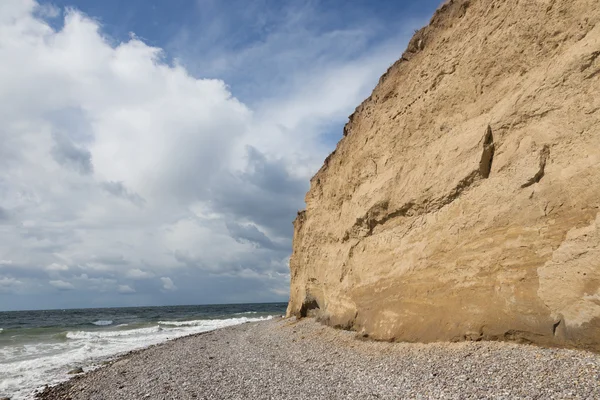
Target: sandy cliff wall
463, 201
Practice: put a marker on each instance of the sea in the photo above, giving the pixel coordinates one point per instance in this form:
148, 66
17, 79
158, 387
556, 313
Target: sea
39, 348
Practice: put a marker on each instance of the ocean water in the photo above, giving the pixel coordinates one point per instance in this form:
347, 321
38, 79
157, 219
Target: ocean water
41, 347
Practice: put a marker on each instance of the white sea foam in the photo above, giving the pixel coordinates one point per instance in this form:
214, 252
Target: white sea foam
95, 335
102, 322
212, 323
24, 367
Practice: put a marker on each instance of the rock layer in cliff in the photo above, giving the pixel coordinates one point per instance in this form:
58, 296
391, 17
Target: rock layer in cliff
463, 201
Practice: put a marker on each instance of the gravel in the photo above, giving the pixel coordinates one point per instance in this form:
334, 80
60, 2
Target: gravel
289, 359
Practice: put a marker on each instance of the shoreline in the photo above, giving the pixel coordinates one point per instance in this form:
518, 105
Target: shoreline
299, 359
65, 385
51, 391
49, 348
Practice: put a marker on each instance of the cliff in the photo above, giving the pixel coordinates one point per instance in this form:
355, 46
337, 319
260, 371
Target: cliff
463, 202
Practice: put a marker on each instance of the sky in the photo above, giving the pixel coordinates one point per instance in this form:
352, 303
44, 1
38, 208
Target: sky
156, 152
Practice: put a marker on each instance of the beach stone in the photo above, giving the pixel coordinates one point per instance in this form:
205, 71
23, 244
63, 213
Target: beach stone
75, 371
342, 366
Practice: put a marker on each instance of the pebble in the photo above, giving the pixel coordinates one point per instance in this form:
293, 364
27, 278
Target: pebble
264, 360
75, 371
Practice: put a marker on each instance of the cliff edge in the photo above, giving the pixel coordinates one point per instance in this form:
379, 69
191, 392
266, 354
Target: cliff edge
463, 202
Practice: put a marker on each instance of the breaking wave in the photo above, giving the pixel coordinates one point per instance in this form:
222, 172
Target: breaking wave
79, 335
44, 355
213, 323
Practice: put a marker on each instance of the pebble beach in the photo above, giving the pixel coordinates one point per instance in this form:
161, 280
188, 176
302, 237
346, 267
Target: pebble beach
302, 359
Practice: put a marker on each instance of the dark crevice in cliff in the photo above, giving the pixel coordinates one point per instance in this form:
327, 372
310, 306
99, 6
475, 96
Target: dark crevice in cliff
544, 154
345, 267
555, 327
590, 60
403, 211
519, 336
485, 165
364, 226
309, 306
378, 214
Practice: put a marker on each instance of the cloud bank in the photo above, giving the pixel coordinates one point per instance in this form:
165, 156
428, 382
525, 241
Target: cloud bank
121, 172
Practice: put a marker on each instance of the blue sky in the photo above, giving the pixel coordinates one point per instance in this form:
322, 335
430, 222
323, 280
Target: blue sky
157, 152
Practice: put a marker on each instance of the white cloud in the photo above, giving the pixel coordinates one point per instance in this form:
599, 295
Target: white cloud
117, 165
127, 142
10, 285
137, 274
168, 284
57, 267
9, 282
48, 11
96, 284
62, 285
125, 289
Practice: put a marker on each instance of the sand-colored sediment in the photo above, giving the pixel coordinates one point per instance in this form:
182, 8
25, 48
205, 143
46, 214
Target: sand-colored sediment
463, 201
288, 359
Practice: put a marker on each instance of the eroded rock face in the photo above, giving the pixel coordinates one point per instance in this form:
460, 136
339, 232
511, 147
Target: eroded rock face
463, 201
